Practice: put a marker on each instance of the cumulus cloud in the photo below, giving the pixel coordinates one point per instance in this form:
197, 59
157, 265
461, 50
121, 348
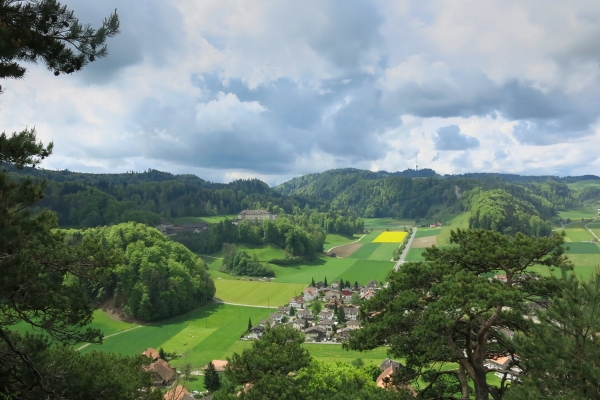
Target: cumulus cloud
227, 89
451, 138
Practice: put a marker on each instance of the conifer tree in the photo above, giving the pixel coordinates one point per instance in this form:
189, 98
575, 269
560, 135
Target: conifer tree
161, 354
292, 311
325, 282
447, 310
306, 324
312, 282
212, 382
249, 325
355, 285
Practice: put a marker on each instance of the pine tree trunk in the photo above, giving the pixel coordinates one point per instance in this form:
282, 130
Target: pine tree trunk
480, 383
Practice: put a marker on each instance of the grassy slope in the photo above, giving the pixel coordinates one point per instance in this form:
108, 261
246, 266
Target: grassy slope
578, 213
337, 240
426, 232
583, 184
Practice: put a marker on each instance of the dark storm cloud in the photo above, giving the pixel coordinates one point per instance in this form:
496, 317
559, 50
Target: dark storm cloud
451, 138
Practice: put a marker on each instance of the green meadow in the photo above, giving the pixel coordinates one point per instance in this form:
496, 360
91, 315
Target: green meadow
580, 185
579, 213
257, 293
214, 219
381, 224
426, 232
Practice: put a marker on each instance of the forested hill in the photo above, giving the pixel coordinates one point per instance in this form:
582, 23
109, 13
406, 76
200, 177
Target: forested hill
402, 195
89, 200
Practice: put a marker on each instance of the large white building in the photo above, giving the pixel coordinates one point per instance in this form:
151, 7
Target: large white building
254, 215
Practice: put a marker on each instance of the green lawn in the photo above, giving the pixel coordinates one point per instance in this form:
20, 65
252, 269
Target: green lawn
208, 220
109, 325
580, 185
381, 224
364, 271
332, 240
426, 232
257, 293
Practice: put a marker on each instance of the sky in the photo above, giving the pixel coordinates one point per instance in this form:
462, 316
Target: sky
229, 89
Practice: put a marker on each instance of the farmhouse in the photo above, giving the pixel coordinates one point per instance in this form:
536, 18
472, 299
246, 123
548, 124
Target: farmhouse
333, 294
256, 332
285, 310
327, 325
151, 354
162, 373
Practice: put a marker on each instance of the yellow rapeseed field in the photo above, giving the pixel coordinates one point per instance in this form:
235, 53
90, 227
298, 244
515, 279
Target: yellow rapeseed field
390, 237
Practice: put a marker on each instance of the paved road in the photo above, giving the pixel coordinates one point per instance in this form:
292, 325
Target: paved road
592, 232
405, 252
236, 304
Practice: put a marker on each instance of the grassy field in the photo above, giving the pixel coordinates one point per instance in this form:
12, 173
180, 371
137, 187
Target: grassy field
582, 248
381, 224
426, 232
583, 184
208, 220
364, 271
578, 235
257, 293
337, 240
578, 213
414, 255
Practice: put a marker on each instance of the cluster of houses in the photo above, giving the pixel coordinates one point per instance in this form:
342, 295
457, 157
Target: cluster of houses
326, 325
435, 225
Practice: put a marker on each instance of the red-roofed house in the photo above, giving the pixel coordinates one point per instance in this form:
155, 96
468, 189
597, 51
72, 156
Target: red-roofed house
151, 354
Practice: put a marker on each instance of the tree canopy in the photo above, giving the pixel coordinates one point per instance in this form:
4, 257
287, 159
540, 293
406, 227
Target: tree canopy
447, 316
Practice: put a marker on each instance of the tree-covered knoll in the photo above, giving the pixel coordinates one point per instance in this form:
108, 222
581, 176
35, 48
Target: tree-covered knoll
500, 211
155, 277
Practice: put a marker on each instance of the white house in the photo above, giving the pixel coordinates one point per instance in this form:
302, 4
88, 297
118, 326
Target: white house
351, 313
310, 293
297, 302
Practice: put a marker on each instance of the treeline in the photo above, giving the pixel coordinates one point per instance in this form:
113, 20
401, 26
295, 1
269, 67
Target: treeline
241, 263
89, 200
380, 194
301, 234
155, 278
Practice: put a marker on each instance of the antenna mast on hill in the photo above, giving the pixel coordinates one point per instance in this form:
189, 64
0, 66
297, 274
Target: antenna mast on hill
416, 162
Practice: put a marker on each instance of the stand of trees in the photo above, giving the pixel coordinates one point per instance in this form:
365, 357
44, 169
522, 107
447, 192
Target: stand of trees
155, 278
241, 263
